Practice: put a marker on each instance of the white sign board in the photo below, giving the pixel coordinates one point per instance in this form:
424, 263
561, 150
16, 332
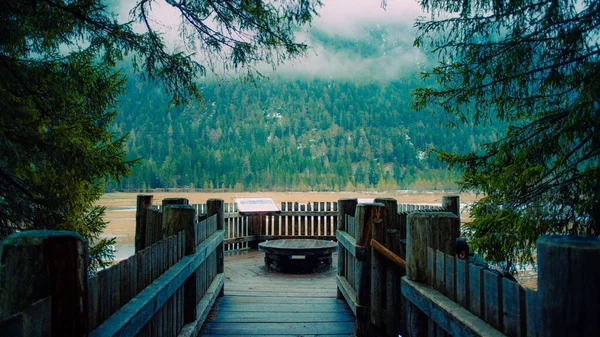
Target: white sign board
255, 205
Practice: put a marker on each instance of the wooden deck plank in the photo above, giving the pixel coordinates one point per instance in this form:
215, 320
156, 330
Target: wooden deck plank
274, 317
313, 335
290, 283
265, 300
281, 292
320, 328
281, 307
260, 302
252, 284
278, 294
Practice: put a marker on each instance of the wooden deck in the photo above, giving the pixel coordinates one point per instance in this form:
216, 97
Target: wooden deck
258, 302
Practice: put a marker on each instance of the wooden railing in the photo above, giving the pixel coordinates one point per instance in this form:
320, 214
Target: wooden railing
443, 296
312, 219
446, 296
112, 288
237, 231
166, 289
371, 260
32, 321
353, 279
506, 307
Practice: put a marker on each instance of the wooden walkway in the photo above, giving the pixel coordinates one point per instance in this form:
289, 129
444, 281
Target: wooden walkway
267, 303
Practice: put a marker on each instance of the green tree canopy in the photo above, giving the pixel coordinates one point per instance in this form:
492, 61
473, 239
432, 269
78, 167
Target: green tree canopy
535, 65
59, 83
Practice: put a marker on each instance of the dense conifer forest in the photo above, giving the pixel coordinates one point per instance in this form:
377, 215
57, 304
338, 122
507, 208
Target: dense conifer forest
285, 134
339, 121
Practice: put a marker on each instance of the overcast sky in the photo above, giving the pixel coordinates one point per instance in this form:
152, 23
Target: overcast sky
344, 18
350, 19
334, 14
345, 15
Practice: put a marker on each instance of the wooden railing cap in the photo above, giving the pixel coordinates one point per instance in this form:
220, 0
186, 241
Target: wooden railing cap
427, 214
178, 206
373, 204
571, 240
33, 237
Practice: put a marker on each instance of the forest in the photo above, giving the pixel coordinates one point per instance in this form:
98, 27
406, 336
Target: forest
340, 121
290, 134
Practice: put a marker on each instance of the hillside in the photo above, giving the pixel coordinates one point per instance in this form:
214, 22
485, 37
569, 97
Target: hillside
304, 128
289, 135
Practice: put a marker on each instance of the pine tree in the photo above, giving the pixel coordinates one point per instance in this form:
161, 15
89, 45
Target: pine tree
59, 84
534, 65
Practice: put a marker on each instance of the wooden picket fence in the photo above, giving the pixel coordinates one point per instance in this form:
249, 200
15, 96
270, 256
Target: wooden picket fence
110, 289
371, 245
504, 305
166, 289
316, 220
32, 321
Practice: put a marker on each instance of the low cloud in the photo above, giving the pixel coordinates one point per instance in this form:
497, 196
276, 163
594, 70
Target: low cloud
377, 44
347, 17
386, 60
349, 39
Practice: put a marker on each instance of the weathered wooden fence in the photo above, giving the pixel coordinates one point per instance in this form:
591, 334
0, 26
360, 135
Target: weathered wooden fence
314, 219
447, 296
371, 252
166, 289
380, 242
42, 271
244, 230
353, 279
503, 304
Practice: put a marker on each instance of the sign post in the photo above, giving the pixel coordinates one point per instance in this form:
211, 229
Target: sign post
257, 210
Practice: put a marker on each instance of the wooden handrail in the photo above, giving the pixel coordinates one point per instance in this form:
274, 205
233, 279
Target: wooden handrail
349, 243
131, 318
388, 254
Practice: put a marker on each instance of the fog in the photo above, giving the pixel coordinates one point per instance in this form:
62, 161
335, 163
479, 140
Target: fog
349, 39
388, 32
348, 17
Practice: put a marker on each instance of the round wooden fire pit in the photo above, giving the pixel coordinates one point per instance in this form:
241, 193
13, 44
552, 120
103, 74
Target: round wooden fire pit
298, 255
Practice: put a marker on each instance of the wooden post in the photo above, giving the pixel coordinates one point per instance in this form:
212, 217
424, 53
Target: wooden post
568, 279
296, 218
215, 206
154, 227
177, 218
367, 216
452, 204
346, 207
254, 227
38, 264
144, 201
378, 277
175, 201
283, 221
390, 278
428, 229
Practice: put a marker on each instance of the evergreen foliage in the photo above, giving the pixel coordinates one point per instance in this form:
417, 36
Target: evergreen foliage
59, 84
536, 66
290, 135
